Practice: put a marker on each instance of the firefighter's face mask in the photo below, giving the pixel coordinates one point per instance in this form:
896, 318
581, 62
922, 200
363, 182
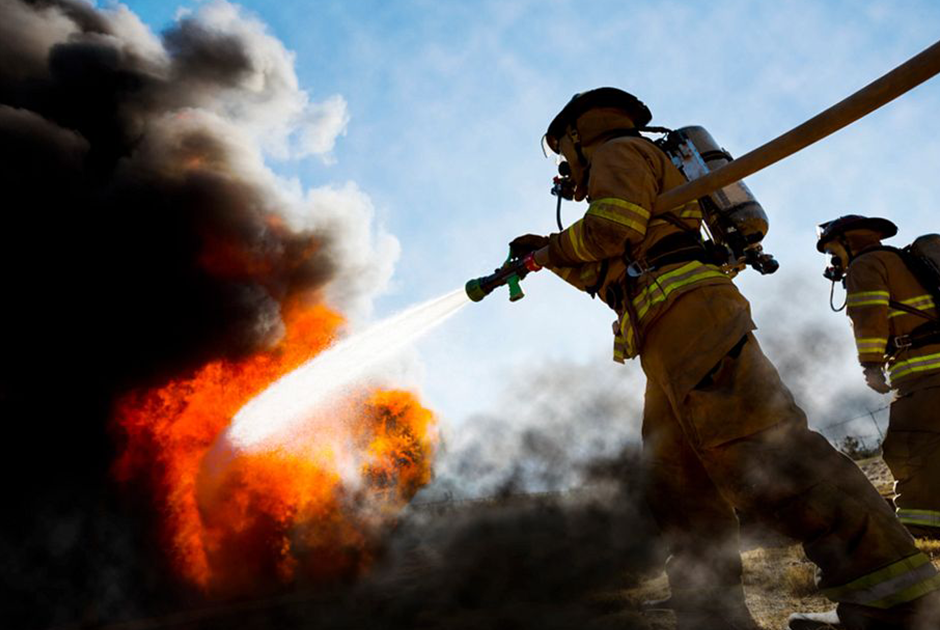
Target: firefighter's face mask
563, 185
838, 259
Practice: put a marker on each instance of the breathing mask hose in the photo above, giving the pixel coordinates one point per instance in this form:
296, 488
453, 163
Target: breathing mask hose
832, 292
835, 272
563, 188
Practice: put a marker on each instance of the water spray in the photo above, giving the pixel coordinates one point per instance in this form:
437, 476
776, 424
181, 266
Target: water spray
296, 400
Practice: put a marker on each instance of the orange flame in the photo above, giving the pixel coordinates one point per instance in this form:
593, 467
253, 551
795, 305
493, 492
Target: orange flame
271, 514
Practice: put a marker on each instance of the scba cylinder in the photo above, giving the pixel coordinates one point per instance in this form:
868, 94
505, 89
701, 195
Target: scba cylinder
927, 248
733, 211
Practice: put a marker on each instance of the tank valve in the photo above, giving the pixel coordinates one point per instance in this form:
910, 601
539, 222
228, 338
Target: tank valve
760, 261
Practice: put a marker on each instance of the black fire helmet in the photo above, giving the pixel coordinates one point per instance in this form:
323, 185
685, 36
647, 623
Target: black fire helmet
833, 229
600, 97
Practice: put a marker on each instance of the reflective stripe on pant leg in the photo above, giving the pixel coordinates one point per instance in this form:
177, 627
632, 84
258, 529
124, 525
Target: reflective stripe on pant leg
923, 518
897, 583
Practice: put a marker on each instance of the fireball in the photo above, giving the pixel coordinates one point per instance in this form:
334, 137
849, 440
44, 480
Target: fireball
312, 504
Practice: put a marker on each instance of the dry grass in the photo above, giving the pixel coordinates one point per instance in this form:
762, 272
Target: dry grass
778, 579
799, 580
877, 472
931, 548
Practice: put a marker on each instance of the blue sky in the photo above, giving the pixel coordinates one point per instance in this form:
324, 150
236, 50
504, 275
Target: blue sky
448, 101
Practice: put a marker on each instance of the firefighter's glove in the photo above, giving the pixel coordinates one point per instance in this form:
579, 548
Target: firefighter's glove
523, 245
875, 379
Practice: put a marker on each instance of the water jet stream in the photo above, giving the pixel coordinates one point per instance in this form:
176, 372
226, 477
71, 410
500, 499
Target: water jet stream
294, 398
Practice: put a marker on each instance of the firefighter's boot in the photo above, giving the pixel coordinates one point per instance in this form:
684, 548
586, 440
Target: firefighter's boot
815, 621
920, 614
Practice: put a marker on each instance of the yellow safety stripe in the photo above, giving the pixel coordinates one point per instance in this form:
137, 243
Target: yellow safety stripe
921, 303
919, 298
926, 518
588, 275
637, 225
915, 591
913, 365
690, 210
871, 345
620, 349
665, 284
622, 212
624, 347
868, 298
574, 238
897, 583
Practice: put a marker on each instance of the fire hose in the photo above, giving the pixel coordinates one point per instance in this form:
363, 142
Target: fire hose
883, 90
902, 79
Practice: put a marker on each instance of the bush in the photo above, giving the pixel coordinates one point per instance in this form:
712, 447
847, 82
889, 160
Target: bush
856, 449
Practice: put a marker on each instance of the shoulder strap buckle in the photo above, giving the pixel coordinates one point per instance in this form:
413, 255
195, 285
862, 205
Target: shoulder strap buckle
902, 342
638, 269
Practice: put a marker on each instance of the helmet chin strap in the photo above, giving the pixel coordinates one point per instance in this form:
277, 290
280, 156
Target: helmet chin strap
576, 140
579, 152
848, 250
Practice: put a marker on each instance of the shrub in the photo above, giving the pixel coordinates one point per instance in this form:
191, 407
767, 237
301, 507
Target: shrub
856, 449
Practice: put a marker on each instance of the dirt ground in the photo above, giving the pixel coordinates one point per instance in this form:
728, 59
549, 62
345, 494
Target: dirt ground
778, 579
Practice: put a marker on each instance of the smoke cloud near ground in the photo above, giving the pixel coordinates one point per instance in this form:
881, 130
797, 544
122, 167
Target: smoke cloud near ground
523, 562
550, 422
551, 561
815, 356
547, 428
144, 233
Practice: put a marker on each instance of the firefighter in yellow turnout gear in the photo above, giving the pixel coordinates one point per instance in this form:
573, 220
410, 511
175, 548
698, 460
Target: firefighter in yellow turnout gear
720, 429
887, 304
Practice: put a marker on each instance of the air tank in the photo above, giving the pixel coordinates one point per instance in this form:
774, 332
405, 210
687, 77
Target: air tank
733, 215
927, 248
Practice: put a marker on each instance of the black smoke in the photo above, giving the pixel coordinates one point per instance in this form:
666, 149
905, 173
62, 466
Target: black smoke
141, 237
816, 360
550, 561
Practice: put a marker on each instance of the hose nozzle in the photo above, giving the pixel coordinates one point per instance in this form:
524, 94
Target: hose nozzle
475, 290
511, 273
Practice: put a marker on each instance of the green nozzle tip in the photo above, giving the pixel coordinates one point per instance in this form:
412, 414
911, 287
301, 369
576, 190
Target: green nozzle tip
515, 291
474, 290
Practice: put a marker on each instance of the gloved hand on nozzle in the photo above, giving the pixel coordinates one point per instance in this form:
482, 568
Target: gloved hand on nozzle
875, 379
520, 246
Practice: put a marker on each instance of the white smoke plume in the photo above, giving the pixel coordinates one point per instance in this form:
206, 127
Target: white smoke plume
549, 426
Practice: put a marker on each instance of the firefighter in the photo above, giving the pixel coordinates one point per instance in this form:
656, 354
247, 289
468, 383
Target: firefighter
887, 304
720, 429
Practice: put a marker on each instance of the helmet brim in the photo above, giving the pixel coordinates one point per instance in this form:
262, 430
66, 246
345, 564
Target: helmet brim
638, 112
884, 228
